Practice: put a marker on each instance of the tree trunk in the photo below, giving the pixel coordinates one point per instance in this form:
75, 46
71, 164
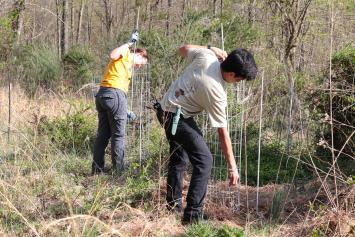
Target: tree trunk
80, 18
57, 4
108, 17
150, 9
214, 8
64, 40
168, 18
183, 8
33, 31
89, 23
17, 21
123, 15
72, 21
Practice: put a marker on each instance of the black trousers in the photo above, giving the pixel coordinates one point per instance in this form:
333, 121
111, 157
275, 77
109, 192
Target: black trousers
187, 144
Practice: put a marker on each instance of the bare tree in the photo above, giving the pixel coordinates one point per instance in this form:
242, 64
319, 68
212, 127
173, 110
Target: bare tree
214, 8
89, 12
17, 21
167, 24
184, 5
64, 39
80, 19
292, 14
108, 17
72, 21
57, 8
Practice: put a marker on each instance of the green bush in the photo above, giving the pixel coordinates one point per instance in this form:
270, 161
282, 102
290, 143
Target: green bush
238, 32
277, 205
275, 166
78, 66
73, 133
205, 229
343, 110
41, 68
6, 39
139, 184
201, 229
227, 231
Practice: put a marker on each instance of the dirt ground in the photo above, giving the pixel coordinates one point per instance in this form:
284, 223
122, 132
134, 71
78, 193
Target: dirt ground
293, 211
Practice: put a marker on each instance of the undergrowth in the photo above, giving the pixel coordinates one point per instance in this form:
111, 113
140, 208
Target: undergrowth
74, 133
207, 229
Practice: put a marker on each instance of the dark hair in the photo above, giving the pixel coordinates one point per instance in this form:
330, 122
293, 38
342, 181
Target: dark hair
242, 63
140, 51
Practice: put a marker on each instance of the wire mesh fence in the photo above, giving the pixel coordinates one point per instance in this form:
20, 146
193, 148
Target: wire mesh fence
138, 130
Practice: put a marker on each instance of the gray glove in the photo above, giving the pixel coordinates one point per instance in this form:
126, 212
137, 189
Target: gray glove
134, 38
131, 116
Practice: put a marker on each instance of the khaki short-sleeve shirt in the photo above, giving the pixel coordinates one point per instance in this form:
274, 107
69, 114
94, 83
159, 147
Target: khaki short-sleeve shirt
200, 87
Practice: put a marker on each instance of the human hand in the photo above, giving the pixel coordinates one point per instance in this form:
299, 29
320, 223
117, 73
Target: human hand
131, 116
233, 176
220, 54
134, 37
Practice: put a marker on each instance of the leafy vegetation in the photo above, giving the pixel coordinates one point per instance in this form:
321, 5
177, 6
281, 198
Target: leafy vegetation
343, 109
73, 133
45, 184
41, 67
79, 65
206, 229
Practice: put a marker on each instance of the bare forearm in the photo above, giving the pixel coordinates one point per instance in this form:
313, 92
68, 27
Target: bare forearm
183, 50
119, 51
227, 149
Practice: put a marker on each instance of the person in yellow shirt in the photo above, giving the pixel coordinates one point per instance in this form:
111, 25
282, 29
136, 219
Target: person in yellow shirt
111, 103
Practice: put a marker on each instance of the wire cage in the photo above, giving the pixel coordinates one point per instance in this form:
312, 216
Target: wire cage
235, 111
138, 130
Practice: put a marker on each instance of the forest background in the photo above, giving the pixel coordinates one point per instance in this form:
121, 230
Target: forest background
53, 53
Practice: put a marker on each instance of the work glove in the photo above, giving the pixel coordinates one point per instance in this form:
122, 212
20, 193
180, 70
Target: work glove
131, 116
134, 38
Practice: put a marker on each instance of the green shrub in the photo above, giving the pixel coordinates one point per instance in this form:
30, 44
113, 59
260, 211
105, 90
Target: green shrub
227, 231
343, 110
201, 229
275, 166
6, 39
276, 209
205, 229
139, 184
73, 133
237, 31
41, 68
78, 66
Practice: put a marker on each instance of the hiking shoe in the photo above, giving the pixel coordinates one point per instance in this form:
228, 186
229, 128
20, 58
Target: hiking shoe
97, 171
174, 209
194, 219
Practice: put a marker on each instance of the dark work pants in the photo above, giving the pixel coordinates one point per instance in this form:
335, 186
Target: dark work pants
186, 144
111, 105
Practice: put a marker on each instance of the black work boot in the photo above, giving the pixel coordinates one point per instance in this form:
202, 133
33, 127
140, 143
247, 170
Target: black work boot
193, 219
174, 208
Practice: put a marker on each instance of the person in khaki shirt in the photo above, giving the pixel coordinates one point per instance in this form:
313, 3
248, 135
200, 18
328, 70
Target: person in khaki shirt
199, 88
111, 104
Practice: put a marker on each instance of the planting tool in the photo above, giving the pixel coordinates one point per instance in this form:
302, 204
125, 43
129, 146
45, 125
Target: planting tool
176, 120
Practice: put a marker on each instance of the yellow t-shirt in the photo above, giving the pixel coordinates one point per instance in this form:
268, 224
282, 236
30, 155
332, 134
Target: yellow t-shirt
118, 73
